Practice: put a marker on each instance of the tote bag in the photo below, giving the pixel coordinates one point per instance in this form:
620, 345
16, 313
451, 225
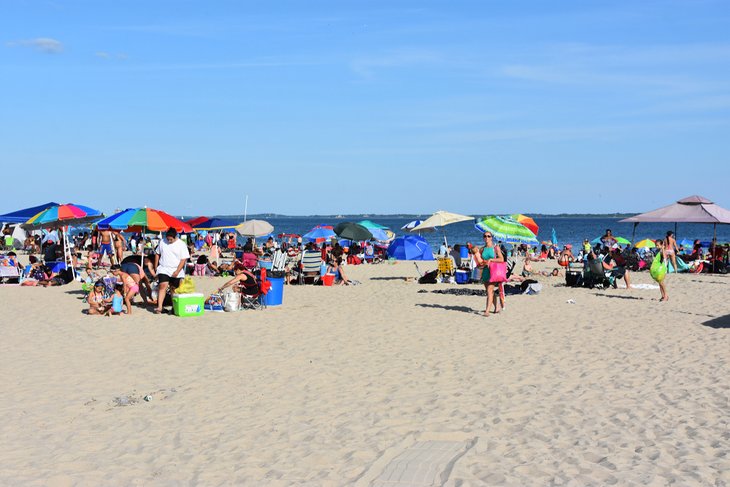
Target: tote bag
497, 271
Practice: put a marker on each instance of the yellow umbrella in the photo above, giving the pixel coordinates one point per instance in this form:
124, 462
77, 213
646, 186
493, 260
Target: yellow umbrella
645, 244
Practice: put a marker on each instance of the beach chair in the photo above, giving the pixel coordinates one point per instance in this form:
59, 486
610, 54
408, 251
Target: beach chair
256, 301
595, 276
278, 261
311, 265
446, 268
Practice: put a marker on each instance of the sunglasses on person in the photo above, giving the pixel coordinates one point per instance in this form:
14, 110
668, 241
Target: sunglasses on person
487, 236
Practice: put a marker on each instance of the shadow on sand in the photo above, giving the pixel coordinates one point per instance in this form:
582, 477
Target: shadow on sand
462, 309
719, 323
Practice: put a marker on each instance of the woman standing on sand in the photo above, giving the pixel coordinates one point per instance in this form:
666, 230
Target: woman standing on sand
489, 253
661, 254
671, 249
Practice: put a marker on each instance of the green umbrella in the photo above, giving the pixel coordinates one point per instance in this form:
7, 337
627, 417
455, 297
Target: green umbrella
371, 224
352, 231
505, 229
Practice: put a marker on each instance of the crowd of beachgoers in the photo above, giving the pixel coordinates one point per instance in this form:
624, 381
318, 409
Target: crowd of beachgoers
117, 269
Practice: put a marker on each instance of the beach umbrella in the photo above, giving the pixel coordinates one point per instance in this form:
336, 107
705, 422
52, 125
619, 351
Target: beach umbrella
141, 219
370, 225
409, 227
619, 240
213, 223
198, 219
526, 221
352, 231
22, 216
645, 244
441, 219
505, 229
410, 247
685, 242
554, 237
255, 228
63, 215
320, 233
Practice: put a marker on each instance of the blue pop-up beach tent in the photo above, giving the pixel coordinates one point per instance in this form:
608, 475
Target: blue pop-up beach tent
22, 216
410, 247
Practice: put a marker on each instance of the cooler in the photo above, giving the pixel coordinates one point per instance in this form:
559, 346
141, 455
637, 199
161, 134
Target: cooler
185, 305
275, 296
462, 277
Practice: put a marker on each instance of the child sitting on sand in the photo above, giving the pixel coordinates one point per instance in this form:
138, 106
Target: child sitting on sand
98, 302
117, 299
130, 286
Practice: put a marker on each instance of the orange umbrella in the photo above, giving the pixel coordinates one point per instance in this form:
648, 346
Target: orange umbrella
527, 221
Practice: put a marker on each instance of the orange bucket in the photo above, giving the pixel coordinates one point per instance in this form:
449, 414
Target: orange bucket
328, 279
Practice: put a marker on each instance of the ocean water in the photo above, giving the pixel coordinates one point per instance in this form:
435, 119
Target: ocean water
568, 229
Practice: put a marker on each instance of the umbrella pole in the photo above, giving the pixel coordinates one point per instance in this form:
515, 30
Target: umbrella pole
633, 234
714, 239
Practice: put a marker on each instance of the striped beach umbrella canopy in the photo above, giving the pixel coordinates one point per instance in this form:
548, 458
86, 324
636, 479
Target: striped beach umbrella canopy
140, 219
62, 215
526, 221
205, 223
619, 240
505, 229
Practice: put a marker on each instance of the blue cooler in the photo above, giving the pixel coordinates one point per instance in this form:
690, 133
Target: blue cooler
463, 252
275, 296
462, 277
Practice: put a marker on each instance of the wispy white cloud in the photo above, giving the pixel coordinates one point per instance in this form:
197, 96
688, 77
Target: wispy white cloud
42, 44
110, 55
367, 66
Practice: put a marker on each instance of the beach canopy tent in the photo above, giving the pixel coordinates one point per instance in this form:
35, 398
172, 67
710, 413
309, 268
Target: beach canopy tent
410, 247
693, 209
22, 216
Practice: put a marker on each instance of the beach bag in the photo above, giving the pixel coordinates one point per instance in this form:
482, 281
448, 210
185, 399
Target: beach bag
232, 301
497, 271
658, 268
429, 278
187, 286
214, 303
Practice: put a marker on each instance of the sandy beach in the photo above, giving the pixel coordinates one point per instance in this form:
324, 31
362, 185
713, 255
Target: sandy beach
326, 390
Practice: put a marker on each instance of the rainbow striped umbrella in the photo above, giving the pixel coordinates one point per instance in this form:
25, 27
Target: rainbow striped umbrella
526, 221
505, 229
62, 215
140, 219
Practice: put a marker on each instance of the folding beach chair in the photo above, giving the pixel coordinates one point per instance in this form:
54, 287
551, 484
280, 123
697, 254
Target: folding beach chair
446, 268
596, 276
311, 265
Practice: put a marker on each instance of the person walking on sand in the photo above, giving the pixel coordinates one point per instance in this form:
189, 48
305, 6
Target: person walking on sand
489, 253
170, 259
671, 249
119, 245
105, 246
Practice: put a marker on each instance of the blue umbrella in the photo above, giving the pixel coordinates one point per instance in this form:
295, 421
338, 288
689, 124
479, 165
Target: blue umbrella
685, 242
320, 233
410, 247
22, 216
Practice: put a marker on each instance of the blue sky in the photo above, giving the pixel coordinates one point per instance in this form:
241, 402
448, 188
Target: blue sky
377, 107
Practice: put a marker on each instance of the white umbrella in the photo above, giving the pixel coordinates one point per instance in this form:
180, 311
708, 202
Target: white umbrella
441, 219
255, 228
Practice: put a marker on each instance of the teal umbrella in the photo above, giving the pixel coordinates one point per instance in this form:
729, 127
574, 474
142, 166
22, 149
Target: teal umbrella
506, 229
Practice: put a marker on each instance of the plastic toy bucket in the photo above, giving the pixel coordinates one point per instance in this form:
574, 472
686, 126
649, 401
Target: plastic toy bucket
328, 279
